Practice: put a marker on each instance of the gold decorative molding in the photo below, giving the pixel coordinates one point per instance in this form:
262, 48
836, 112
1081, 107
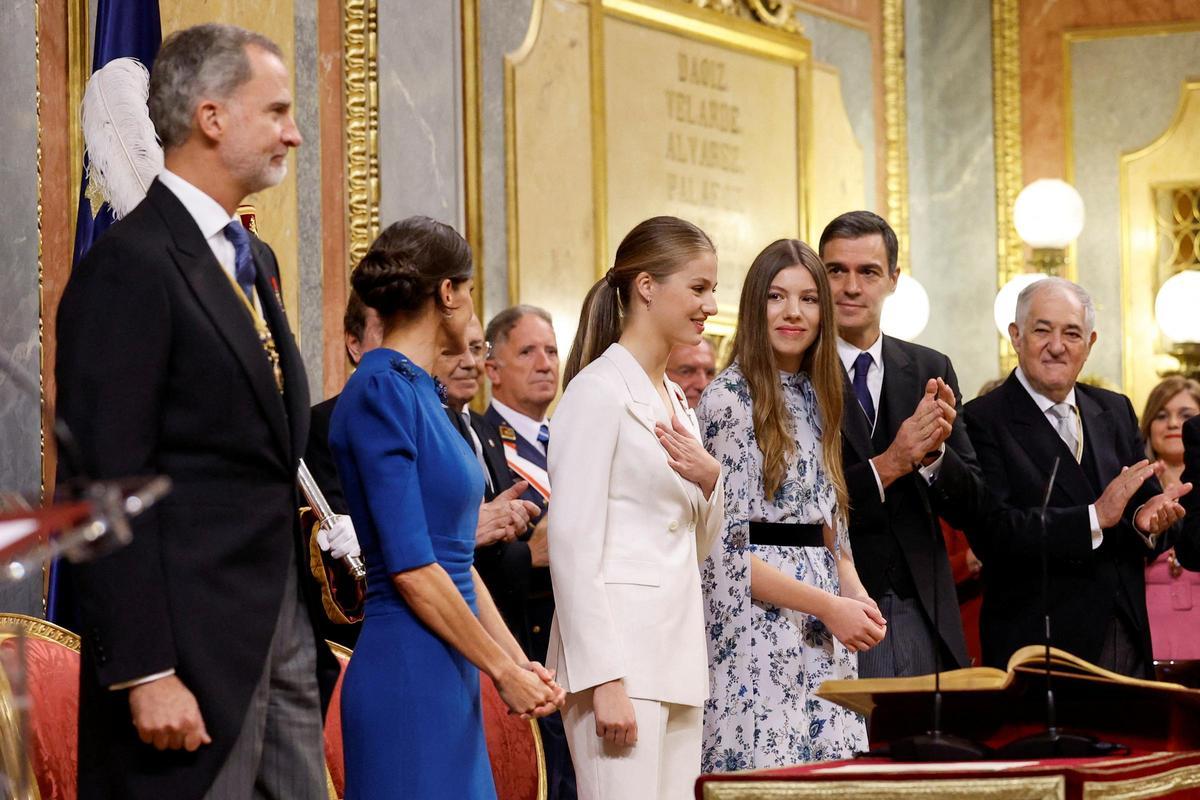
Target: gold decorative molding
1163, 784
931, 788
360, 76
1006, 113
473, 143
1006, 127
34, 628
776, 13
79, 69
895, 123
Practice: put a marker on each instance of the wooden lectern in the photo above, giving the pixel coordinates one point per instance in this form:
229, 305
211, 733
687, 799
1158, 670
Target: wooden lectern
994, 707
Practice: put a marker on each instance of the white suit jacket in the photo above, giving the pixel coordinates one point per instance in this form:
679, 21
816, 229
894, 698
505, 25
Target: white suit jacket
626, 536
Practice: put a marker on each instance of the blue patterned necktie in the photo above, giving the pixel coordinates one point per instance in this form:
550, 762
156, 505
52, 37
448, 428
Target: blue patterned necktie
544, 436
862, 365
243, 271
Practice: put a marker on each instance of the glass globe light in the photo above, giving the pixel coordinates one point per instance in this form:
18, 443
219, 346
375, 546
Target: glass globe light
1175, 307
1048, 214
906, 310
1004, 310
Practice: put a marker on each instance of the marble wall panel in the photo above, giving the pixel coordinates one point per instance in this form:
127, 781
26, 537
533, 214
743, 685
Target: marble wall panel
1123, 94
1042, 24
952, 218
847, 48
20, 413
420, 111
502, 25
308, 324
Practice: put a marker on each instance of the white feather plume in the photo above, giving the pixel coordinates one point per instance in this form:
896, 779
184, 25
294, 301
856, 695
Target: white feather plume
124, 155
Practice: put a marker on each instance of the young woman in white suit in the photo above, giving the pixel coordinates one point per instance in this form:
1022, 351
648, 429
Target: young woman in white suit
637, 503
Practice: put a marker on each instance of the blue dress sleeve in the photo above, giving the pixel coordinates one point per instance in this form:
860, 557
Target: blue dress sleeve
384, 442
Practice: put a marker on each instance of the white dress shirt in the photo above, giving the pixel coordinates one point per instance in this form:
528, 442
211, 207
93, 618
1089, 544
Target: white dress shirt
849, 354
1044, 405
465, 415
527, 428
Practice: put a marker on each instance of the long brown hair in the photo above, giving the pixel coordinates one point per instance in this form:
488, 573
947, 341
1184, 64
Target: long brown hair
659, 247
773, 425
1160, 395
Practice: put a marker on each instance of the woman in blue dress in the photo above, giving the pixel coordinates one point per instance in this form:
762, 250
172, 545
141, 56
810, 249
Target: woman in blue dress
412, 722
784, 606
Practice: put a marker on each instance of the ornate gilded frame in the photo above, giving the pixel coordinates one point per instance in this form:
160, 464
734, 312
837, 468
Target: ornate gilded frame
360, 82
1025, 788
895, 124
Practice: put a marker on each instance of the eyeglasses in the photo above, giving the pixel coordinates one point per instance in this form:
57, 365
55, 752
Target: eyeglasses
481, 349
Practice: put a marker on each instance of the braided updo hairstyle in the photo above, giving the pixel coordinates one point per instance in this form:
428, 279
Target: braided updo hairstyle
407, 263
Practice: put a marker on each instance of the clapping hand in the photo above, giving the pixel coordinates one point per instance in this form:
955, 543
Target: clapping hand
505, 517
1162, 511
687, 456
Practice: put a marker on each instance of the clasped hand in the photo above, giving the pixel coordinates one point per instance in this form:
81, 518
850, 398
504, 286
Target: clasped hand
687, 456
529, 690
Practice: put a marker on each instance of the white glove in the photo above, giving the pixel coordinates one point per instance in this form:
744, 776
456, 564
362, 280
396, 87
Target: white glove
336, 536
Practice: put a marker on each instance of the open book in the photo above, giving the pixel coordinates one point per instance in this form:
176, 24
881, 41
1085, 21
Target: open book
1026, 666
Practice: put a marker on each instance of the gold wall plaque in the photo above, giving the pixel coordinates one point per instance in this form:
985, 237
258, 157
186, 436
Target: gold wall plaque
620, 110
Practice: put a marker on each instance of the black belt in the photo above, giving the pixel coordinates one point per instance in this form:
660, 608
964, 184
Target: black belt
787, 534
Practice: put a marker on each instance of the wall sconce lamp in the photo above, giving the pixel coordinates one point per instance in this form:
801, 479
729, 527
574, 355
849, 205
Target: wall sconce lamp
1175, 310
906, 310
1048, 216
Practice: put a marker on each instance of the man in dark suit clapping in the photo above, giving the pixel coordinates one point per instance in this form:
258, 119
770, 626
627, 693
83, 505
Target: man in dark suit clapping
907, 457
201, 674
1105, 510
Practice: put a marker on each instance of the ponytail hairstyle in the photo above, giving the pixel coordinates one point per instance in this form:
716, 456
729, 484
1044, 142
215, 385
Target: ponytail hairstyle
659, 247
407, 263
773, 425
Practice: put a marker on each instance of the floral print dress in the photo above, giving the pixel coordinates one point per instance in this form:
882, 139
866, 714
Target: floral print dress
766, 662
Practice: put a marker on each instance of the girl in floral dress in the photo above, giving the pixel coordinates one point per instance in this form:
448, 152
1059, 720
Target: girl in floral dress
784, 606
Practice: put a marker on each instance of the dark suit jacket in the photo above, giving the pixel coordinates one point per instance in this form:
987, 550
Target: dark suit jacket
319, 458
1187, 541
160, 371
532, 583
1017, 446
505, 567
904, 520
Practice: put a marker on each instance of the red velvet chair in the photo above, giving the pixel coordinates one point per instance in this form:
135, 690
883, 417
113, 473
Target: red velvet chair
514, 745
52, 678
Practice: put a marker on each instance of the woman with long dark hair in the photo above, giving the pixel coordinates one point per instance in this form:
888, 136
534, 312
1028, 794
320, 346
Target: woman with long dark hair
411, 713
636, 502
784, 605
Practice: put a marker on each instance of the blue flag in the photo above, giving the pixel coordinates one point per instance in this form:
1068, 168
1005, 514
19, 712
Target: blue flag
124, 28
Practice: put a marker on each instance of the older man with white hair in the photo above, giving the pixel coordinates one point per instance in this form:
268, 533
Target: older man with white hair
1106, 510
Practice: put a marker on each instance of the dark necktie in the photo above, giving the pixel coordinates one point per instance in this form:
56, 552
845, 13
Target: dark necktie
544, 437
243, 271
862, 365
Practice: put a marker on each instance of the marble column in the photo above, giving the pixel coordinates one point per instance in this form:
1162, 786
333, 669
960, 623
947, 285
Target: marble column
309, 326
20, 413
502, 24
952, 185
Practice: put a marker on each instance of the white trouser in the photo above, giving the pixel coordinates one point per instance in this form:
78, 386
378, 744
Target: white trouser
663, 765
